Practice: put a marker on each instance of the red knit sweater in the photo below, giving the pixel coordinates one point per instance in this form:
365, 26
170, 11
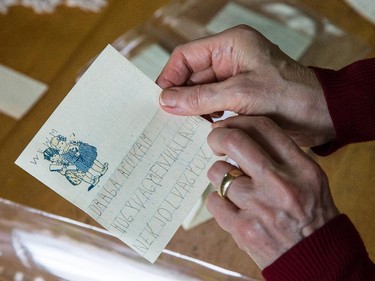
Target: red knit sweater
336, 251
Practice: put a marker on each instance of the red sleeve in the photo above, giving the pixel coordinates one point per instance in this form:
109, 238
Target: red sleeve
350, 96
334, 252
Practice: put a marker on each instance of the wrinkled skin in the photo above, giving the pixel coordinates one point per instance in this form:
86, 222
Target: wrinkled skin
284, 198
284, 195
241, 71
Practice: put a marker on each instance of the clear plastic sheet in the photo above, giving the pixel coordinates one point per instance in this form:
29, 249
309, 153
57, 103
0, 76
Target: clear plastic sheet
285, 22
300, 32
37, 246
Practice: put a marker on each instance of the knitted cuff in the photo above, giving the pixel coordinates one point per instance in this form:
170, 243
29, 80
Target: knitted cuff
350, 96
333, 252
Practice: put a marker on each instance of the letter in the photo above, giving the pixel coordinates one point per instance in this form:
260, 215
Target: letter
107, 194
165, 214
199, 164
163, 223
122, 221
124, 171
146, 140
171, 154
186, 135
164, 162
105, 198
120, 224
134, 151
98, 207
157, 171
146, 237
35, 159
189, 126
152, 178
129, 212
179, 190
54, 132
128, 160
112, 192
177, 147
47, 142
126, 217
155, 225
190, 180
168, 200
143, 143
96, 210
190, 169
117, 179
149, 187
141, 246
135, 203
145, 193
115, 184
151, 231
130, 205
204, 156
118, 227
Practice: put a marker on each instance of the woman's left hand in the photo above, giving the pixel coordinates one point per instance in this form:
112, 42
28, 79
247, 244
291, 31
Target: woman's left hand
284, 196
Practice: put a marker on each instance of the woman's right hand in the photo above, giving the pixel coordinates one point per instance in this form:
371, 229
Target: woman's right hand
240, 70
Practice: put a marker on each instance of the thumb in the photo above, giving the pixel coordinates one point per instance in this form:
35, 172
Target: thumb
201, 99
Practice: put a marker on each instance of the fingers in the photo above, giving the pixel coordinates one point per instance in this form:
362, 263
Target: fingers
283, 198
259, 147
210, 56
249, 234
195, 100
251, 157
182, 63
224, 211
230, 94
239, 191
265, 132
225, 57
224, 54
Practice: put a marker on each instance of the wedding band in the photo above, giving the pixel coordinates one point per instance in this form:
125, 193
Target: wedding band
227, 181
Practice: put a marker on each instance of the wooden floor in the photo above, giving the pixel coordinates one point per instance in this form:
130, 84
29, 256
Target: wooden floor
54, 48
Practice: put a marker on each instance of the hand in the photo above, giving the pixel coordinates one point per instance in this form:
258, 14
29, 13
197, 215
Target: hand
284, 196
240, 70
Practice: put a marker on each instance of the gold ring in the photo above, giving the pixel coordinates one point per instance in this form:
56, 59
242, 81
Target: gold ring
227, 181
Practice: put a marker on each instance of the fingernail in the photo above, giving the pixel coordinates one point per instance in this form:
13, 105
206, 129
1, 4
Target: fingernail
162, 82
168, 98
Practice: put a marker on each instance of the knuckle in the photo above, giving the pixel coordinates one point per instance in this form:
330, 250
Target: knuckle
310, 171
265, 123
215, 170
231, 140
178, 50
238, 86
282, 220
247, 229
195, 100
